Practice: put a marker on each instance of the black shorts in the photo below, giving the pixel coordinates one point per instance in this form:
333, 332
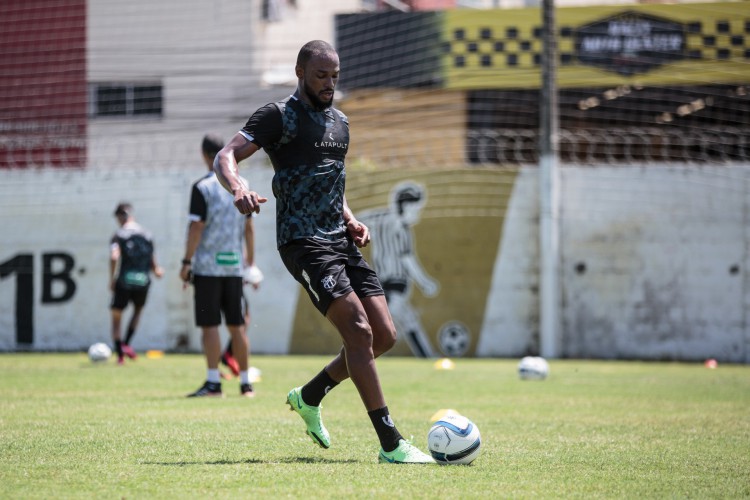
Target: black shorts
214, 295
123, 296
329, 270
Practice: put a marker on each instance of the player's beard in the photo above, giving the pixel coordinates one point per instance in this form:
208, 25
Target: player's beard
316, 101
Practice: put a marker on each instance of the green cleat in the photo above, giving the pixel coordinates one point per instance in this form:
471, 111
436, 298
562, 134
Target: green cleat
311, 415
406, 453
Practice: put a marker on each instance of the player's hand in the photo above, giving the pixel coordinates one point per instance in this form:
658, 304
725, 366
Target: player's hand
248, 202
359, 232
253, 276
186, 275
158, 271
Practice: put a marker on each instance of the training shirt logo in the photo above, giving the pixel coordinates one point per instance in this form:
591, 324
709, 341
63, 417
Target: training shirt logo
328, 282
332, 143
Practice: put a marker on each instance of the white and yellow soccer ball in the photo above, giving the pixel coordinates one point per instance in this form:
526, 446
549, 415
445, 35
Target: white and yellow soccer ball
99, 352
533, 368
454, 440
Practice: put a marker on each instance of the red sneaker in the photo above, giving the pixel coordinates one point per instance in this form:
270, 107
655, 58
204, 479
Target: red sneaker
120, 360
229, 360
128, 351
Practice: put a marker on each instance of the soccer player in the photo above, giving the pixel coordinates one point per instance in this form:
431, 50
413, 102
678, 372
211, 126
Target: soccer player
219, 239
131, 262
318, 237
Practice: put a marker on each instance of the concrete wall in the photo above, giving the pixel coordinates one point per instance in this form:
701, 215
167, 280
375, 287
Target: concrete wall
49, 213
218, 61
655, 262
653, 259
201, 53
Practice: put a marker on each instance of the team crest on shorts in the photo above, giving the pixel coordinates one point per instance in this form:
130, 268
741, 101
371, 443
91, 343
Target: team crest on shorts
328, 282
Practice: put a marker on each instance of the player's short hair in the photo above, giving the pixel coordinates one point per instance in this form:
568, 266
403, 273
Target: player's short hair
212, 144
312, 49
123, 209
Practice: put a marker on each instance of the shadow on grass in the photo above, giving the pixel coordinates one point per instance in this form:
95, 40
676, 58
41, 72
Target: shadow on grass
289, 460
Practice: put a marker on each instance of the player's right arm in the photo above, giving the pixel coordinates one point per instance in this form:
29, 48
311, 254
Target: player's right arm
263, 128
227, 172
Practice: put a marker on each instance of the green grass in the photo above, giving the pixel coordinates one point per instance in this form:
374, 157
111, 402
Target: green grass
72, 429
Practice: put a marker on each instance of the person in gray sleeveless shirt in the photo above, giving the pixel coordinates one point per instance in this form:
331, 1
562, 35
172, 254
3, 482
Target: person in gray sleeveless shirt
219, 247
319, 238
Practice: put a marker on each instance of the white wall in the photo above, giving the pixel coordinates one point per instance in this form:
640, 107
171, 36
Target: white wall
511, 318
71, 212
218, 61
664, 250
279, 42
654, 265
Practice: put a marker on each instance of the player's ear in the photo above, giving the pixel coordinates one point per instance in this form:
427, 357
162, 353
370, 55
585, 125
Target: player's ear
299, 71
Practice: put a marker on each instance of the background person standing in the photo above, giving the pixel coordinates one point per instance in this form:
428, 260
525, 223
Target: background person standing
131, 261
213, 261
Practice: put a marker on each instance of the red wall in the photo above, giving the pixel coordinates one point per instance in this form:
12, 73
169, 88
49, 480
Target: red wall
43, 83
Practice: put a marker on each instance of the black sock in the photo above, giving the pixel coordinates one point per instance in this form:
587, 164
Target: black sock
228, 349
315, 390
129, 335
118, 348
384, 426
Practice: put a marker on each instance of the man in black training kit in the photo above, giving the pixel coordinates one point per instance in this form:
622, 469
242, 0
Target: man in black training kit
131, 261
318, 238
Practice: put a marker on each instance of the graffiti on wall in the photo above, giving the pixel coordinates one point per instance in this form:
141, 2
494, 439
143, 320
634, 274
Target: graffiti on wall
435, 238
397, 264
58, 286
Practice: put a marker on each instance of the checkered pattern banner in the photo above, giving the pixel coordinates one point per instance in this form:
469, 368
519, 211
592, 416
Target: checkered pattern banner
648, 44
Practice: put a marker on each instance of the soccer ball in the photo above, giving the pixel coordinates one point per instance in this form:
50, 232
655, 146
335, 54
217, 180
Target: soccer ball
454, 439
533, 368
454, 339
99, 352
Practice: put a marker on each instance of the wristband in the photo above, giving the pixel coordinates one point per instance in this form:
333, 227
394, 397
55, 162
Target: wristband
187, 262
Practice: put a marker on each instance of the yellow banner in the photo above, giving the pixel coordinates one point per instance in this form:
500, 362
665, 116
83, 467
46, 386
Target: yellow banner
684, 44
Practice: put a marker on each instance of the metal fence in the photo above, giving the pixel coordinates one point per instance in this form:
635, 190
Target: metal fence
613, 146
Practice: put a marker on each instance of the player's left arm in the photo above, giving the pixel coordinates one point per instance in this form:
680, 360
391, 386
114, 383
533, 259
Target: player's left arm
359, 232
155, 267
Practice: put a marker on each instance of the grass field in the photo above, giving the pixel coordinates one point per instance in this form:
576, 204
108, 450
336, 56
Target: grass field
72, 429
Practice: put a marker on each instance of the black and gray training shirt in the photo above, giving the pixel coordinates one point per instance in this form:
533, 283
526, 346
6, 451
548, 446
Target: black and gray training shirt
307, 149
